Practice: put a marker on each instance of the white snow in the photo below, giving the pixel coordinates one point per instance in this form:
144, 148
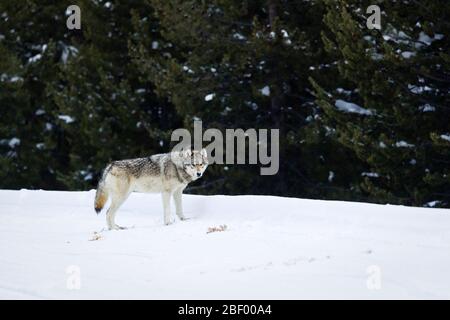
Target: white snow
239, 36
403, 144
445, 136
210, 96
418, 89
35, 58
330, 176
432, 204
40, 145
396, 36
265, 91
408, 54
85, 174
404, 39
377, 56
343, 91
273, 248
67, 52
285, 35
427, 108
15, 79
7, 78
370, 174
14, 142
351, 108
188, 70
66, 119
427, 40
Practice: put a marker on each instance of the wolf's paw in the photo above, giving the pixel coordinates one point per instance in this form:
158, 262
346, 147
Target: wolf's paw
183, 218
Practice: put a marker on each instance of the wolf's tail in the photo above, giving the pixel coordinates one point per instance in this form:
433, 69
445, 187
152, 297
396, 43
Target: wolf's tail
101, 196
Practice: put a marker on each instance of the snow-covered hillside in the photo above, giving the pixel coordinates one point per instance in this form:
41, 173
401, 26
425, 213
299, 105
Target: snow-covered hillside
275, 248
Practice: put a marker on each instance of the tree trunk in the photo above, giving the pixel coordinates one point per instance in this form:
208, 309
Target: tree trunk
272, 12
275, 94
276, 98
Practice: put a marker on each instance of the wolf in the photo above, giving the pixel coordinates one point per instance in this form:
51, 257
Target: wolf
167, 173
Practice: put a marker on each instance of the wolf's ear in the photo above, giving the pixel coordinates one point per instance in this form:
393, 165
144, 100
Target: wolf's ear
186, 153
203, 153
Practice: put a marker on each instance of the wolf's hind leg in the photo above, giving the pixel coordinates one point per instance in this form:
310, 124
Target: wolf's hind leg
177, 196
116, 202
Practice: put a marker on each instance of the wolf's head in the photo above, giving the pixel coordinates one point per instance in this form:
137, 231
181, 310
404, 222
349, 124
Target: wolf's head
194, 162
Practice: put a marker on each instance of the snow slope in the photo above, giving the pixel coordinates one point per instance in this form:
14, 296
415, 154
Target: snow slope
274, 248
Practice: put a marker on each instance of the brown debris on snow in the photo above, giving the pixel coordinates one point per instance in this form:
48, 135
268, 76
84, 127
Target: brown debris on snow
220, 228
96, 236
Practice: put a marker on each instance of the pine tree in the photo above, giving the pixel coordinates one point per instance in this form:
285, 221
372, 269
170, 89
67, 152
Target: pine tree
113, 110
30, 46
244, 65
397, 79
74, 100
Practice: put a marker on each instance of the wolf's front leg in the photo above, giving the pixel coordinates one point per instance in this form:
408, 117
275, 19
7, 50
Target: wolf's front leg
177, 196
166, 206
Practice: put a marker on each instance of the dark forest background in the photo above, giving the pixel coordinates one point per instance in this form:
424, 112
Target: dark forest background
364, 114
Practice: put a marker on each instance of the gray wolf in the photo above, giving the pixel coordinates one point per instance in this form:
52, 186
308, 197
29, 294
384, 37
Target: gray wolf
167, 173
